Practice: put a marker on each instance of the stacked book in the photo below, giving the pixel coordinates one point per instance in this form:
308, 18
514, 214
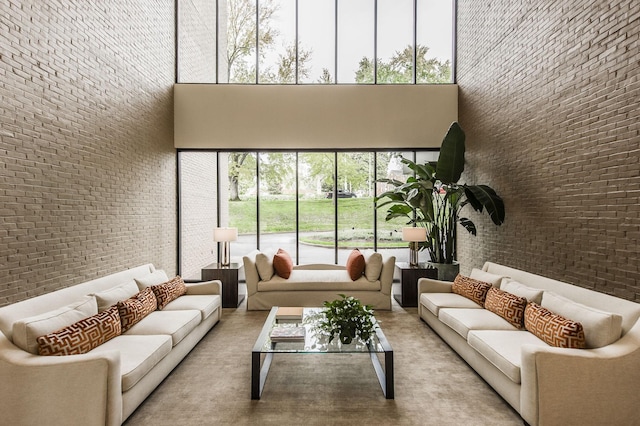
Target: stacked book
289, 314
287, 334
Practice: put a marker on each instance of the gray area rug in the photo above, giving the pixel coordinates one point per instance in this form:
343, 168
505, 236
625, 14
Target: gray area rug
433, 386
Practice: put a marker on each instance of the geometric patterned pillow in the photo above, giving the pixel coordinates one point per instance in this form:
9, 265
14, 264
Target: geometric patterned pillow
507, 305
553, 329
136, 307
169, 291
82, 336
471, 289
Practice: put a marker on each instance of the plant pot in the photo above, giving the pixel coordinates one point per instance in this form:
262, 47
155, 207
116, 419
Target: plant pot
446, 271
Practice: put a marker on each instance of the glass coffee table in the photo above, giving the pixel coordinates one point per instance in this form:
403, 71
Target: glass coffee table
317, 342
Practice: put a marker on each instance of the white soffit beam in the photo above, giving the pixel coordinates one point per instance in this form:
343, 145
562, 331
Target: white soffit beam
224, 116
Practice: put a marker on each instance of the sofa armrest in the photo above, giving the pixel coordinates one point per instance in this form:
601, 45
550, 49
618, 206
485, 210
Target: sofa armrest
386, 275
428, 285
71, 390
205, 287
582, 386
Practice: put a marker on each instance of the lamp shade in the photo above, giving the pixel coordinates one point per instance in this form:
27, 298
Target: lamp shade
414, 234
225, 234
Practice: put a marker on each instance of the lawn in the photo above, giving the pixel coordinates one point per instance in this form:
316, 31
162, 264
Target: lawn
355, 219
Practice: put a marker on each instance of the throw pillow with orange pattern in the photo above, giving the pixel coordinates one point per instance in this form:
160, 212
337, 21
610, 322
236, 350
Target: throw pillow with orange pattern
507, 305
136, 307
553, 329
471, 289
169, 291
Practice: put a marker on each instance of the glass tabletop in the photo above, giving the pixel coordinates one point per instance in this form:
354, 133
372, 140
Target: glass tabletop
316, 340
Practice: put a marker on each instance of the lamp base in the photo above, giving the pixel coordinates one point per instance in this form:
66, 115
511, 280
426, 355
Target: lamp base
413, 253
226, 254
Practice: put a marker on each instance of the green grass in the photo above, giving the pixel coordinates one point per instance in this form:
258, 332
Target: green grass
355, 220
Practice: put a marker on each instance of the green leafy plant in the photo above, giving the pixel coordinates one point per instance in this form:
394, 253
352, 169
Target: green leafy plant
433, 198
347, 318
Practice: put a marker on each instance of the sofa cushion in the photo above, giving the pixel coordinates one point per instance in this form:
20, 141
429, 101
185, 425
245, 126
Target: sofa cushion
487, 277
502, 348
110, 297
134, 309
27, 330
282, 264
552, 328
206, 304
373, 266
318, 279
506, 305
463, 320
264, 265
471, 288
355, 264
529, 293
82, 336
600, 328
435, 301
154, 278
169, 291
176, 324
138, 355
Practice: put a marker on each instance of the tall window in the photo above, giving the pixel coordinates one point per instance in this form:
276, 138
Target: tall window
316, 205
316, 41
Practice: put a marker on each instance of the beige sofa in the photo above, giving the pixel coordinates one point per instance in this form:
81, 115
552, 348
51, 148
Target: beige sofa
546, 385
313, 284
105, 385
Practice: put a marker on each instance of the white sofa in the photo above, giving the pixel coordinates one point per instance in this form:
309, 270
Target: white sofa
105, 385
546, 385
313, 284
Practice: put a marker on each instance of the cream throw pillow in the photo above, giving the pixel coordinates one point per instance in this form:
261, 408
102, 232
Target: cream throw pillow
480, 275
600, 328
373, 266
27, 330
529, 293
154, 278
264, 265
116, 294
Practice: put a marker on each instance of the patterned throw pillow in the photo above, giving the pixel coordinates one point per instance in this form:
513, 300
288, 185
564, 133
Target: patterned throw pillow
137, 307
82, 336
169, 291
553, 329
355, 264
283, 264
471, 289
507, 305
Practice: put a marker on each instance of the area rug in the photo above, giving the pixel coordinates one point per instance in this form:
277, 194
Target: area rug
433, 386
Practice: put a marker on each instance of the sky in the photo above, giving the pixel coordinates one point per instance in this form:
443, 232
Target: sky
316, 31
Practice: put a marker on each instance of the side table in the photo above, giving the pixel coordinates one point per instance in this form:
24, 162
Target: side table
407, 296
228, 275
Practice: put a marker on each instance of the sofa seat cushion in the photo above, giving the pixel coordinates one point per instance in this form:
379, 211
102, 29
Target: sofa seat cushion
436, 301
176, 324
138, 355
502, 348
315, 279
206, 304
465, 320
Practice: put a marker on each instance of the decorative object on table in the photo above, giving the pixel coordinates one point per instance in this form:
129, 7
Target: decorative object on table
414, 235
287, 334
347, 318
225, 236
289, 313
433, 198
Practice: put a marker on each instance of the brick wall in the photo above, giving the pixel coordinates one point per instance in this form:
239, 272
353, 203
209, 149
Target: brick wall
197, 41
549, 101
88, 169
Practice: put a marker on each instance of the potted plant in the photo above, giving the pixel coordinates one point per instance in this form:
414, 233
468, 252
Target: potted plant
433, 198
347, 318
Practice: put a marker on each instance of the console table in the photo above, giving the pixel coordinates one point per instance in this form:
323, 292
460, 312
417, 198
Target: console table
407, 296
228, 275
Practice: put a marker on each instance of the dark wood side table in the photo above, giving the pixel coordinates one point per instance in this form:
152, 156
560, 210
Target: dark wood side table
231, 298
407, 295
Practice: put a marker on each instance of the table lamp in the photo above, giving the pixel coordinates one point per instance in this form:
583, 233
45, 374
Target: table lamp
225, 235
414, 236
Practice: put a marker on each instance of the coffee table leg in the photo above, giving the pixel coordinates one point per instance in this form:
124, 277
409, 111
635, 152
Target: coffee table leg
385, 376
259, 375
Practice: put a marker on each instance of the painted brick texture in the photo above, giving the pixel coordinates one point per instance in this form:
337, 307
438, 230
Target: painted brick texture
88, 169
549, 99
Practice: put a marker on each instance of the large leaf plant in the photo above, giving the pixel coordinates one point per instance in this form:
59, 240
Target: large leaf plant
433, 198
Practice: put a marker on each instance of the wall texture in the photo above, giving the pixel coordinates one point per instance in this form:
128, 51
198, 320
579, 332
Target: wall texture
88, 169
549, 97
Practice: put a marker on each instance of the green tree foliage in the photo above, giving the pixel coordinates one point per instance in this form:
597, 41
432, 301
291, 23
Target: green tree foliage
277, 170
399, 69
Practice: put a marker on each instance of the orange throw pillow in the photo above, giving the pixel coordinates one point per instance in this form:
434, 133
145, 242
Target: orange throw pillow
283, 264
355, 264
